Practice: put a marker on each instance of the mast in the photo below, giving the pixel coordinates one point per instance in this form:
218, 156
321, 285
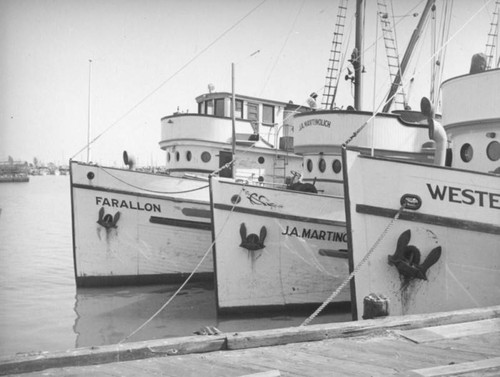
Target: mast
409, 51
357, 55
233, 116
88, 115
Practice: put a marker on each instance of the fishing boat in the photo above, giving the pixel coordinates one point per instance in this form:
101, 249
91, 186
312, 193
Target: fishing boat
278, 247
426, 237
137, 227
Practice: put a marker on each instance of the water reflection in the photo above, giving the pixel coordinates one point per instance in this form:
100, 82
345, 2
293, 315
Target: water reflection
108, 315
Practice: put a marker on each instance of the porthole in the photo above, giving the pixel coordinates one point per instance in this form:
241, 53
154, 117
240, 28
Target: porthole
261, 160
205, 157
309, 165
336, 166
466, 152
235, 199
493, 151
168, 156
188, 155
322, 165
177, 156
261, 178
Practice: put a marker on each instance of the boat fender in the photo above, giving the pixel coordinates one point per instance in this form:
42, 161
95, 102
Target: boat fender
252, 242
406, 258
375, 305
107, 220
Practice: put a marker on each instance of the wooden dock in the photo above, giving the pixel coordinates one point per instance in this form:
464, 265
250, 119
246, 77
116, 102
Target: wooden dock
464, 343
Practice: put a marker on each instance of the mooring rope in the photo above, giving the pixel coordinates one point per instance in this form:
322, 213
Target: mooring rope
187, 279
355, 271
148, 190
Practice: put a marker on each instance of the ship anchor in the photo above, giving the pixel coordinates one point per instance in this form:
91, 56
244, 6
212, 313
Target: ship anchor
406, 258
252, 242
107, 220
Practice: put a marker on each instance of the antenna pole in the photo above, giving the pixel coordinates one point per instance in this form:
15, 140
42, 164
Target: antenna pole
233, 113
358, 59
88, 115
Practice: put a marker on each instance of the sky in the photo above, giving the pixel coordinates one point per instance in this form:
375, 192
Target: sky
150, 58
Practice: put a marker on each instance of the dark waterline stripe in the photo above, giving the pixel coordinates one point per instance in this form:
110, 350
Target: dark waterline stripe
126, 280
429, 219
180, 223
226, 207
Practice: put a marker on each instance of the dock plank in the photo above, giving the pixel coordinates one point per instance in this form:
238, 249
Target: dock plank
492, 364
373, 347
459, 330
484, 344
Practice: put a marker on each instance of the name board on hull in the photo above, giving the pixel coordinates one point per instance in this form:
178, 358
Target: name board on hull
129, 204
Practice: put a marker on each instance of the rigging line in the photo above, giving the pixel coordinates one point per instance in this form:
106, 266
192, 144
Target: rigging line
186, 281
446, 21
171, 77
155, 191
355, 133
283, 46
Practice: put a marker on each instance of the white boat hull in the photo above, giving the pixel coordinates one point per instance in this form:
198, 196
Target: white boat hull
459, 214
133, 228
302, 256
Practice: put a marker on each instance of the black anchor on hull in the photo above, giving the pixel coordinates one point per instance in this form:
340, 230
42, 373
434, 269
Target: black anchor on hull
108, 221
406, 258
252, 242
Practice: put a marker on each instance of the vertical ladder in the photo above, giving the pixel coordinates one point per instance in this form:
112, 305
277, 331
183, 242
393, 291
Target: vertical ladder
391, 49
332, 72
279, 168
492, 37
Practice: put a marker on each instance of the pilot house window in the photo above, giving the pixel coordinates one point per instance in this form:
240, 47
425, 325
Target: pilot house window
209, 108
268, 115
219, 107
238, 109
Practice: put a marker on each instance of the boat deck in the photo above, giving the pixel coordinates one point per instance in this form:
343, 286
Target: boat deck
465, 343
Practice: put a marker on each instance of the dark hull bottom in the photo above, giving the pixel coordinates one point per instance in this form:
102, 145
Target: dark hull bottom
127, 280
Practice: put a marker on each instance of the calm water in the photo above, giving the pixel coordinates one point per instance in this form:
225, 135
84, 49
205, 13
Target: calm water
41, 309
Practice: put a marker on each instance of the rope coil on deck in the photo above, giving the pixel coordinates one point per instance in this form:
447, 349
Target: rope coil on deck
355, 271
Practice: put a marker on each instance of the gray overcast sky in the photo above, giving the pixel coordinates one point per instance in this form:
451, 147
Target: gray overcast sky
138, 45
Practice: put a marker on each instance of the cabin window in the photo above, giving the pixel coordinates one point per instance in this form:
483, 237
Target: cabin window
309, 165
205, 157
168, 156
253, 112
238, 109
177, 156
219, 107
493, 151
209, 108
336, 166
188, 155
200, 107
268, 115
322, 165
466, 152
